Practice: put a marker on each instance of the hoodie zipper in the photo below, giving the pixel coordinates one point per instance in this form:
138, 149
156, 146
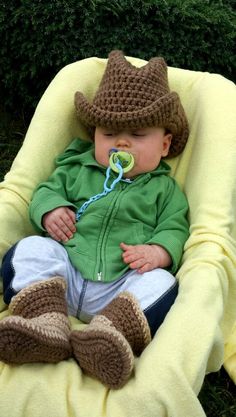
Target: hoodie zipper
106, 227
123, 187
99, 276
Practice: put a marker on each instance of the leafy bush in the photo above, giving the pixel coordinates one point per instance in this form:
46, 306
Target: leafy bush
40, 37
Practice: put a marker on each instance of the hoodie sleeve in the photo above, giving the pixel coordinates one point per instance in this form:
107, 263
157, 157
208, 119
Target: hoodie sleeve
53, 193
48, 196
172, 229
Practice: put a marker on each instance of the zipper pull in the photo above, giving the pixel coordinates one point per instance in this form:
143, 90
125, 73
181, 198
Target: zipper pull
99, 276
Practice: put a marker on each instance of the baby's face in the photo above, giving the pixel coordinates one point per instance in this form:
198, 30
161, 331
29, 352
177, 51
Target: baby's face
147, 145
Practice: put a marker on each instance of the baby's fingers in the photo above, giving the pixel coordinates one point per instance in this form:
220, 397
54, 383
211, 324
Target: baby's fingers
125, 247
130, 257
56, 234
69, 219
59, 231
145, 268
137, 264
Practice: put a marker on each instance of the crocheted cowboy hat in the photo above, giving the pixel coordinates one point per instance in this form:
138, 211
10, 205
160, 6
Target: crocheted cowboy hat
133, 98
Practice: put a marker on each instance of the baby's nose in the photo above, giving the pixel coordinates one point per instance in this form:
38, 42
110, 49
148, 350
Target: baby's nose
123, 141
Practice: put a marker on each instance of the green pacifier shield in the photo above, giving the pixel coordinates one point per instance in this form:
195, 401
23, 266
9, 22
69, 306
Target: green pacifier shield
125, 159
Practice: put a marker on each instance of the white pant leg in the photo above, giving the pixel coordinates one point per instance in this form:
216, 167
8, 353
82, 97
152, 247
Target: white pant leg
147, 288
39, 258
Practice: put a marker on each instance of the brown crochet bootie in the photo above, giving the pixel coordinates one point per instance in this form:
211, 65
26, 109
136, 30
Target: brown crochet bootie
38, 330
105, 347
126, 315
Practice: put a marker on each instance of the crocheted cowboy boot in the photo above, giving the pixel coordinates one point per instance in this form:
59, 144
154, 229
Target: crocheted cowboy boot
105, 348
38, 330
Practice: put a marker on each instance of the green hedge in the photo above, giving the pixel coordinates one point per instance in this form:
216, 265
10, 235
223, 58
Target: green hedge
40, 37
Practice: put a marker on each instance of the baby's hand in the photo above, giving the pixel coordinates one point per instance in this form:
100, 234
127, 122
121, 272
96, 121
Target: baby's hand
60, 223
144, 258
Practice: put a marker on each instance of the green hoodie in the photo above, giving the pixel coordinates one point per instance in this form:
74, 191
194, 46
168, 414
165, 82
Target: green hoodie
149, 210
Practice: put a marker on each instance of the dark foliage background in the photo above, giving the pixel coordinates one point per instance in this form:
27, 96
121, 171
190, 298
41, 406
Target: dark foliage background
40, 37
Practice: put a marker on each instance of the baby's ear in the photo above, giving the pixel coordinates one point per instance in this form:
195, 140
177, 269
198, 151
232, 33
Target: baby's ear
166, 144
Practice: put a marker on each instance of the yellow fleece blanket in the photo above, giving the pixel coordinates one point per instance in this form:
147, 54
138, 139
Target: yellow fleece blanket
190, 343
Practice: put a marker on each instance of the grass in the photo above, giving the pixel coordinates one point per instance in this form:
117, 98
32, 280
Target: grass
218, 394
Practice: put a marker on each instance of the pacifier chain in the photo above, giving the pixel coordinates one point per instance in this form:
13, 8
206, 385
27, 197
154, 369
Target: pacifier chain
120, 162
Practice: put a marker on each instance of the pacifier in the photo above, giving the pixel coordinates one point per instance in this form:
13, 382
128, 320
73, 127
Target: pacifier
122, 158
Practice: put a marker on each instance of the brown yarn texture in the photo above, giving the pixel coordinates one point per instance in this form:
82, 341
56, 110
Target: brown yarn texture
127, 317
39, 329
132, 98
105, 347
103, 352
39, 298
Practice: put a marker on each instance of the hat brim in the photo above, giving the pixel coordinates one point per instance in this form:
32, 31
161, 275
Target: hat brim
165, 112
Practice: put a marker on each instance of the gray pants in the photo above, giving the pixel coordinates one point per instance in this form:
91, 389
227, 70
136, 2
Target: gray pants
38, 258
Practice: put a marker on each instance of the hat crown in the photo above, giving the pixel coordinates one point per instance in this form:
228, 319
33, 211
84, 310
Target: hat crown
125, 87
134, 98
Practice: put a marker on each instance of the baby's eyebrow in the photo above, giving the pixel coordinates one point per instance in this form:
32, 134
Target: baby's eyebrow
138, 131
110, 131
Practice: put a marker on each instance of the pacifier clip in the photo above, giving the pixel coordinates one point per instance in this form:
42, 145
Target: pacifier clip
119, 162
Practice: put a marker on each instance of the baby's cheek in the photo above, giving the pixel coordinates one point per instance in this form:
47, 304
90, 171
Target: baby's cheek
102, 159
